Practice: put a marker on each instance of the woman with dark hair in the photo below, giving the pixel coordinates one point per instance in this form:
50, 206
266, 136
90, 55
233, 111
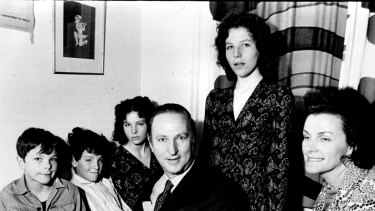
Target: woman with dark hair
134, 168
338, 143
247, 125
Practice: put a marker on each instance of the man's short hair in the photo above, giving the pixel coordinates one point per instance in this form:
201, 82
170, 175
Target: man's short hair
175, 109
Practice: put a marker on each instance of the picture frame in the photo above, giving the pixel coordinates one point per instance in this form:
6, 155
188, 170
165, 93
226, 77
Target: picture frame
79, 37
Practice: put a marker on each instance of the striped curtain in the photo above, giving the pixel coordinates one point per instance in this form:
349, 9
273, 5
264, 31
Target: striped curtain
309, 38
358, 69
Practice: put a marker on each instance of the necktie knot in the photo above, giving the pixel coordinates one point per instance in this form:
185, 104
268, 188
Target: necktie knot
161, 198
168, 186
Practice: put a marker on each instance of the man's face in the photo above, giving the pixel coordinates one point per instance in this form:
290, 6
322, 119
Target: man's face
171, 142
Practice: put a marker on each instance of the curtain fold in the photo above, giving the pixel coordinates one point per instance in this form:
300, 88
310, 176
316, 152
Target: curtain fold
367, 82
358, 68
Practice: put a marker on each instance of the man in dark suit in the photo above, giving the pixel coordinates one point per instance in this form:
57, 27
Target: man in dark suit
186, 183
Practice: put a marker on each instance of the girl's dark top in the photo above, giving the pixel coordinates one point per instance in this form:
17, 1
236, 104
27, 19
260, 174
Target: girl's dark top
251, 150
131, 178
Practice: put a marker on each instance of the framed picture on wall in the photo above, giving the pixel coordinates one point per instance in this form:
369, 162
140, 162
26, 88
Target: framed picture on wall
79, 37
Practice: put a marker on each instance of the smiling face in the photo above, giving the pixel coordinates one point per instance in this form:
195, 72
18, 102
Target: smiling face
241, 52
324, 143
89, 166
39, 168
171, 142
135, 128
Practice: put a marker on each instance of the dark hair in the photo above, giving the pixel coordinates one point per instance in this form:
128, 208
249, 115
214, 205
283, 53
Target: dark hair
356, 115
175, 109
34, 137
260, 33
81, 139
142, 105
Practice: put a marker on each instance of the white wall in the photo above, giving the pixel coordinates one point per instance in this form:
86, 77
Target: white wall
178, 57
163, 50
167, 47
31, 95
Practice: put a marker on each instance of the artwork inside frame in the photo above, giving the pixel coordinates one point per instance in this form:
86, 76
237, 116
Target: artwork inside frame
79, 37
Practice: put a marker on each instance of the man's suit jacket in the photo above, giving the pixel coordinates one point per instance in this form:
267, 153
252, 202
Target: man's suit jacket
206, 189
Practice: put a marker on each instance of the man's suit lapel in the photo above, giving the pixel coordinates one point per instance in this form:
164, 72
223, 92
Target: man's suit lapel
186, 190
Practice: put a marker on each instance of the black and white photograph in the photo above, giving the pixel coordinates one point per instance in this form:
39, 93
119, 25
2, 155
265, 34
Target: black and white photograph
187, 105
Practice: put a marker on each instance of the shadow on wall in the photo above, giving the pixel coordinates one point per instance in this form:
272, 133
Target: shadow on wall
199, 127
367, 88
296, 166
65, 163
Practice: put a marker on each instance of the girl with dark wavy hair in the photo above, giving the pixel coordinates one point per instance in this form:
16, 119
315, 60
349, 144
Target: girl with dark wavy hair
134, 168
247, 126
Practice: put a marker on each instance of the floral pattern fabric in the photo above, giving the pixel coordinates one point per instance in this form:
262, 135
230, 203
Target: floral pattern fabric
131, 177
356, 191
252, 150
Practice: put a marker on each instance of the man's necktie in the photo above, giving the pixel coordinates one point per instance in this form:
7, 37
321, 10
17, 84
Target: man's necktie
161, 198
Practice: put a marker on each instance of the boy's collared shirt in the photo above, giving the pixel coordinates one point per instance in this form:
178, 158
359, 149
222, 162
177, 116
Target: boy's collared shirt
100, 195
64, 196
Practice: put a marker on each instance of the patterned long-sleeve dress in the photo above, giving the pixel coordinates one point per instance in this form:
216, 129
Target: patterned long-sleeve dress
251, 150
356, 191
131, 177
